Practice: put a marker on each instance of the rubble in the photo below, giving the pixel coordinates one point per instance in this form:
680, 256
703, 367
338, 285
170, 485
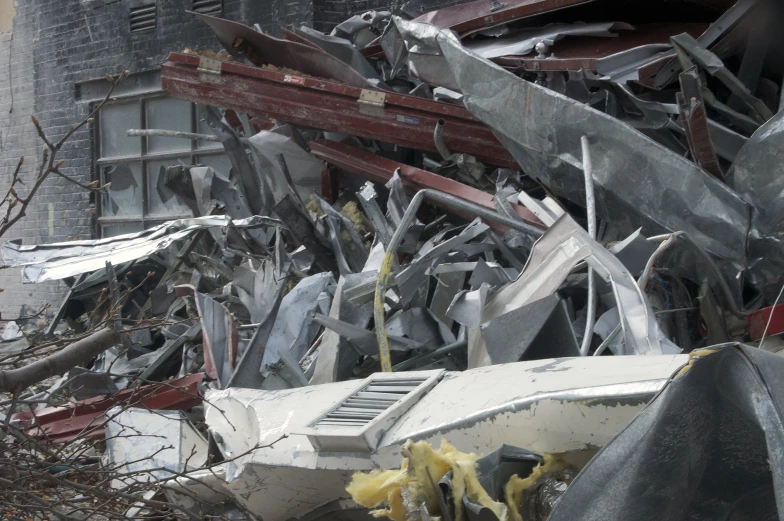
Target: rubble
528, 233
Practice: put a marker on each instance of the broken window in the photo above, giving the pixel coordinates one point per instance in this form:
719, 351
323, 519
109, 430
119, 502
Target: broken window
137, 198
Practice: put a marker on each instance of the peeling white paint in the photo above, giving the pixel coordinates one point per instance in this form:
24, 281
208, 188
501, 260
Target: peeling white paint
562, 405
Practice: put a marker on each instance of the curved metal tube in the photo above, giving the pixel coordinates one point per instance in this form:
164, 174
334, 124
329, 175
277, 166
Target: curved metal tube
394, 243
590, 205
439, 139
668, 242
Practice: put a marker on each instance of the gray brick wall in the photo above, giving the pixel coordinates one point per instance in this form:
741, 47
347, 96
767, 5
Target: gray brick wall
18, 138
56, 45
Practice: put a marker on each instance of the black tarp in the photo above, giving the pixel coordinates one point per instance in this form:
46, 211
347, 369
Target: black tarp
709, 446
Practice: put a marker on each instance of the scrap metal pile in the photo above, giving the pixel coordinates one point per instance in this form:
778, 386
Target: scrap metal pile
415, 199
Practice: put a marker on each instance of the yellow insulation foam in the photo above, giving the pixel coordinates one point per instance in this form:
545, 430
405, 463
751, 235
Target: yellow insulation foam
513, 490
374, 488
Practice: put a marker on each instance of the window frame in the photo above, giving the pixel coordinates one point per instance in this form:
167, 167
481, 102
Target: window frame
207, 149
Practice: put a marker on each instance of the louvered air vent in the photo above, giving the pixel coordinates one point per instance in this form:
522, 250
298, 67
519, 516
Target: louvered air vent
143, 18
357, 423
213, 7
369, 402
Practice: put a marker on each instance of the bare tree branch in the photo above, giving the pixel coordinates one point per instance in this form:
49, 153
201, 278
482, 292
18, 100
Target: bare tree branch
60, 362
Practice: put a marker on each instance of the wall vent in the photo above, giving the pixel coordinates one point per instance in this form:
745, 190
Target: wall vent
358, 422
369, 402
143, 17
213, 7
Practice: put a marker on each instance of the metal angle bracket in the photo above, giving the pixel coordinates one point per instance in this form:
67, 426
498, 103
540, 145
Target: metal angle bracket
371, 102
209, 70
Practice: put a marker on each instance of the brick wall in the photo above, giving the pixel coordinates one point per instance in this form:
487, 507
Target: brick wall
18, 138
56, 45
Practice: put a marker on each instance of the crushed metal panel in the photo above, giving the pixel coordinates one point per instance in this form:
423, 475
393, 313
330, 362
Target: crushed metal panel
268, 146
68, 259
294, 329
163, 443
756, 176
523, 42
449, 284
482, 14
695, 122
219, 334
553, 257
262, 49
340, 48
547, 333
697, 203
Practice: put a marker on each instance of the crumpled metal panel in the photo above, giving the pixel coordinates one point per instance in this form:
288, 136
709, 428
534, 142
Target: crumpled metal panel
412, 44
294, 328
266, 146
547, 332
219, 333
263, 49
340, 48
269, 282
638, 182
66, 259
252, 188
523, 42
553, 257
420, 325
481, 14
258, 289
336, 358
756, 176
152, 445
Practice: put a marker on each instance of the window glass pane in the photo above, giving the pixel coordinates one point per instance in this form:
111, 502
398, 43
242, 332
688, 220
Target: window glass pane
124, 196
162, 201
168, 114
113, 230
220, 164
204, 128
115, 122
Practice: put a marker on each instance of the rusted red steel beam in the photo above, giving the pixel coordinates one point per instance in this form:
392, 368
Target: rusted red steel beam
317, 103
86, 418
380, 170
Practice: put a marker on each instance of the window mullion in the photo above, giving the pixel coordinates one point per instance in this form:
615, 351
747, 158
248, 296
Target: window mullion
143, 125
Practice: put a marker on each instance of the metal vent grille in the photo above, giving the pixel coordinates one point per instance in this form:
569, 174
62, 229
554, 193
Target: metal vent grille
213, 7
369, 402
143, 18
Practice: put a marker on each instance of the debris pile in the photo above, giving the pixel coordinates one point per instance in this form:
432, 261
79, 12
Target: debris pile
416, 199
